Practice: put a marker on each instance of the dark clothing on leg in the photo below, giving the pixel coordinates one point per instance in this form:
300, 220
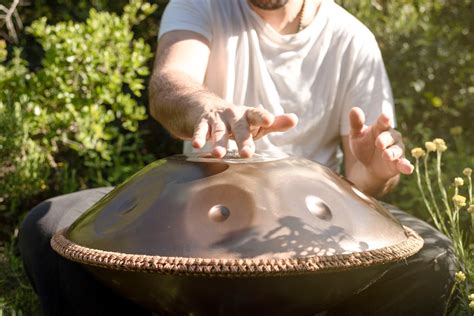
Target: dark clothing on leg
418, 285
64, 287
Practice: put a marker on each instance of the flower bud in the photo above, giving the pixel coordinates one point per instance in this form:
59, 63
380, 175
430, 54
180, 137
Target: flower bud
459, 200
440, 144
417, 152
471, 297
459, 277
430, 146
458, 182
467, 172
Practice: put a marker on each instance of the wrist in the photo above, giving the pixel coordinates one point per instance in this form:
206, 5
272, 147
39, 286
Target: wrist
370, 182
375, 176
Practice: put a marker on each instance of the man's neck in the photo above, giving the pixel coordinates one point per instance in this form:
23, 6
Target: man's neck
287, 19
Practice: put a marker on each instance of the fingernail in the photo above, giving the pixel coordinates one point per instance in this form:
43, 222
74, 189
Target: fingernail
246, 152
196, 144
219, 152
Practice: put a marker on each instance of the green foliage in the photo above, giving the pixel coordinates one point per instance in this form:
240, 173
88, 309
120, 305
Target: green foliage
16, 297
427, 47
78, 113
78, 10
23, 167
71, 123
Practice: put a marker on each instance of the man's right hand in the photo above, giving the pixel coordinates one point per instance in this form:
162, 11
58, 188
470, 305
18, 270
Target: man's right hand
180, 102
241, 123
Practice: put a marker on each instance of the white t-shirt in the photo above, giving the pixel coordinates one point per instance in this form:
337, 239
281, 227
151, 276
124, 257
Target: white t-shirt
319, 73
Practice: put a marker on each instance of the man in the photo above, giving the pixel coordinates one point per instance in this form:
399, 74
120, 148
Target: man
215, 56
232, 70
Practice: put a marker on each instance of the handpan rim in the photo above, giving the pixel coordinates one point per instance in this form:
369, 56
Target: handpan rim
219, 267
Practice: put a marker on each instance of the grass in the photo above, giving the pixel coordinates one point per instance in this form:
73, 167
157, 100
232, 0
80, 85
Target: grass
16, 294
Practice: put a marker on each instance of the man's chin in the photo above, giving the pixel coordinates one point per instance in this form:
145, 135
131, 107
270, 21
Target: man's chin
269, 4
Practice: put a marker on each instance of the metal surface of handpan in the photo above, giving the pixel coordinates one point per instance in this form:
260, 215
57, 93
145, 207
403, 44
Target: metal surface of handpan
270, 234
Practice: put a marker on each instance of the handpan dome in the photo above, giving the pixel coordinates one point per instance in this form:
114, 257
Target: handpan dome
274, 234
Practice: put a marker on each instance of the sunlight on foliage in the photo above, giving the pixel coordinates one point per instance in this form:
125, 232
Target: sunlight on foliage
78, 109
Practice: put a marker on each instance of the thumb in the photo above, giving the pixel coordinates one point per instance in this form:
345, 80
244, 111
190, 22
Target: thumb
282, 123
357, 120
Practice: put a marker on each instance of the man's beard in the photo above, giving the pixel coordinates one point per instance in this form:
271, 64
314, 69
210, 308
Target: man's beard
269, 4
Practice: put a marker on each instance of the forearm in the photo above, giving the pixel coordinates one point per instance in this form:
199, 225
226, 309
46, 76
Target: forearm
177, 101
368, 183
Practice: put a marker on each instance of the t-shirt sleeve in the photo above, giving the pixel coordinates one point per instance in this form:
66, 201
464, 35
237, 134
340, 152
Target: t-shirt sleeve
187, 15
369, 87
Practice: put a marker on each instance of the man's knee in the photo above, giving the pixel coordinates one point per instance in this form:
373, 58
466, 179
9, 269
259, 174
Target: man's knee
31, 234
47, 217
427, 276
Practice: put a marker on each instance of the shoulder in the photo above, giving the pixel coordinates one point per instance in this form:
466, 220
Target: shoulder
204, 4
205, 8
347, 28
180, 6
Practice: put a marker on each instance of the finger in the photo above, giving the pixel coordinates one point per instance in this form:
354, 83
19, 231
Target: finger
200, 134
405, 166
259, 117
393, 153
243, 138
383, 123
219, 138
387, 138
357, 120
282, 123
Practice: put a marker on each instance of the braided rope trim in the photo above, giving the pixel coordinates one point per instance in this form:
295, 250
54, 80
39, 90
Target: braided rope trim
234, 267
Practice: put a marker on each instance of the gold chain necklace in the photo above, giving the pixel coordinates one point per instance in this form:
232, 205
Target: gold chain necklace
301, 14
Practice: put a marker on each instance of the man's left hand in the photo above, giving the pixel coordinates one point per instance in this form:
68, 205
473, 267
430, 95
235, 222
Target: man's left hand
378, 147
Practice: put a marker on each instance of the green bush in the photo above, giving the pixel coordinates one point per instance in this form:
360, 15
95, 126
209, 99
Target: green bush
23, 162
73, 122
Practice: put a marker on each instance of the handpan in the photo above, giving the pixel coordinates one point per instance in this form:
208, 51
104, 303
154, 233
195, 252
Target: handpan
273, 234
